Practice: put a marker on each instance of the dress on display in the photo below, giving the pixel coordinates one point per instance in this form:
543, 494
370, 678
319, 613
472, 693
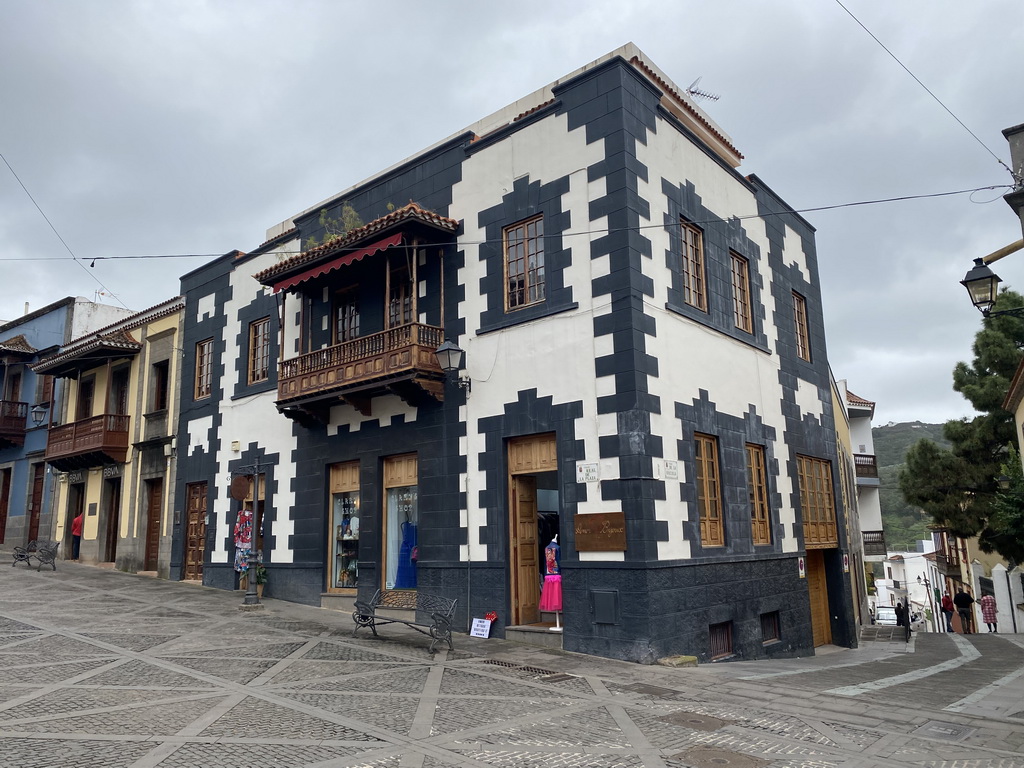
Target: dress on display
407, 556
243, 540
551, 594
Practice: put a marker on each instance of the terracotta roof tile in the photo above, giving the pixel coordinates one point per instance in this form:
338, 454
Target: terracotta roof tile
853, 399
18, 344
410, 212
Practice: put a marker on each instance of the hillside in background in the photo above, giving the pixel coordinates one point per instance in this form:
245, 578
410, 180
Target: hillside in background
903, 524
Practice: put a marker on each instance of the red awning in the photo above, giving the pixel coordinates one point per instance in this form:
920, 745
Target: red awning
339, 261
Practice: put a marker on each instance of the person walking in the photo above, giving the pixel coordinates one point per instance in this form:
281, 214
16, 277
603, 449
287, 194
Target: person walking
903, 620
76, 537
988, 612
963, 602
947, 610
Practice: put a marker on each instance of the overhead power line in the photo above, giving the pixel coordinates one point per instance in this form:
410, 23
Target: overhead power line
603, 231
1016, 178
74, 258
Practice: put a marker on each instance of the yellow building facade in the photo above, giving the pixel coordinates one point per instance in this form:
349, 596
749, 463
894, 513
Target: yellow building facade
114, 448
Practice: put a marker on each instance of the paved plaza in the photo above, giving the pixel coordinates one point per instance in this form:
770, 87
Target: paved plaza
99, 668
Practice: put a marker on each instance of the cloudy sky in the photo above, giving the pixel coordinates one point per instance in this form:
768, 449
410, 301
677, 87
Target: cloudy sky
187, 127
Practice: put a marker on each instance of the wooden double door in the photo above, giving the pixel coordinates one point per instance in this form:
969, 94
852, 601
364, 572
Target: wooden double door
817, 587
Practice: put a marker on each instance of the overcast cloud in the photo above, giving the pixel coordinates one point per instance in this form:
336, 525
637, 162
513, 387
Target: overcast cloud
168, 127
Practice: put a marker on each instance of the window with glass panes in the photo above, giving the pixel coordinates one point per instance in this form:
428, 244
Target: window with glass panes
346, 315
524, 263
259, 350
817, 502
694, 291
204, 369
803, 340
742, 314
400, 296
709, 494
757, 483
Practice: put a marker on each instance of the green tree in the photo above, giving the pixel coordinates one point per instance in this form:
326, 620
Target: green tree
957, 487
334, 228
1007, 522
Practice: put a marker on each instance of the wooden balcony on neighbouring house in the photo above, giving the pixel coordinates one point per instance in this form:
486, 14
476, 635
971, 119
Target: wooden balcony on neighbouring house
874, 543
866, 464
947, 566
90, 442
12, 423
398, 361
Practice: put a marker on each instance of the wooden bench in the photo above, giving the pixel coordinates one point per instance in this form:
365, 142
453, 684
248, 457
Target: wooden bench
44, 552
441, 611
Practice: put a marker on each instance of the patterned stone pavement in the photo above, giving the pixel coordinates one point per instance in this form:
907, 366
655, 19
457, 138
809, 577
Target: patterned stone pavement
107, 669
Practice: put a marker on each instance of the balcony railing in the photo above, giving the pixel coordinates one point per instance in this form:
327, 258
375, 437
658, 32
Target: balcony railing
12, 422
874, 543
866, 464
359, 364
89, 442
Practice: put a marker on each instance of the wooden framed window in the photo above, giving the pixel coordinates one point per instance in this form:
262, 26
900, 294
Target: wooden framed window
742, 313
159, 385
346, 315
399, 296
709, 493
524, 263
817, 502
803, 339
204, 369
757, 482
694, 288
259, 350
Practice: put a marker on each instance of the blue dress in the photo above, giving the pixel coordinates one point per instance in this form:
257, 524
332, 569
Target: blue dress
406, 576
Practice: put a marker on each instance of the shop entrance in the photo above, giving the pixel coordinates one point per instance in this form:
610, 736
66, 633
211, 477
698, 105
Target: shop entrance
154, 505
817, 587
532, 462
35, 507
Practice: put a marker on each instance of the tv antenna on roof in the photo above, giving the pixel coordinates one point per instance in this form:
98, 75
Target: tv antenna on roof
697, 93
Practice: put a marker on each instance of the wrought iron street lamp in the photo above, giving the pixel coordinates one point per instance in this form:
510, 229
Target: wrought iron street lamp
38, 414
983, 284
451, 358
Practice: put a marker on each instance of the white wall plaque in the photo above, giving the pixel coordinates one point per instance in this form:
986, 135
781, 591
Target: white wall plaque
587, 472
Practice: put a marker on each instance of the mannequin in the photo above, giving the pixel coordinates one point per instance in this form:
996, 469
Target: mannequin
551, 594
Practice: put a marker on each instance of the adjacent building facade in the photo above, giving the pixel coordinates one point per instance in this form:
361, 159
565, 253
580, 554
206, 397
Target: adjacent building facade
113, 445
27, 401
644, 380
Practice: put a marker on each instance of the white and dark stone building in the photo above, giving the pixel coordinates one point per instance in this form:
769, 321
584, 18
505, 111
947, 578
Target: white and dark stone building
645, 376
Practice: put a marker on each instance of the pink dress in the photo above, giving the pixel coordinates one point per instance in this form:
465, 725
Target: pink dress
551, 593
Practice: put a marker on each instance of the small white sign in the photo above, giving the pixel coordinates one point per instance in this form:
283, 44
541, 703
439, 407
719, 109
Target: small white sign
587, 472
671, 470
846, 563
481, 628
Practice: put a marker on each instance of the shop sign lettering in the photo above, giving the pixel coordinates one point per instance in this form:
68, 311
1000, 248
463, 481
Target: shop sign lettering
600, 532
113, 470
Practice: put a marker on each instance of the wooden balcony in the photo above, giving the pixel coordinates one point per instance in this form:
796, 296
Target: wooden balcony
866, 464
12, 423
90, 442
874, 543
398, 361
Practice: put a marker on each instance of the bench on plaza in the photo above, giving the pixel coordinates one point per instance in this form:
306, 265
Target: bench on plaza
441, 611
42, 551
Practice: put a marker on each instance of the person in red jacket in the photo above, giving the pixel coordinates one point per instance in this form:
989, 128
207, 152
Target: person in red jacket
76, 536
947, 610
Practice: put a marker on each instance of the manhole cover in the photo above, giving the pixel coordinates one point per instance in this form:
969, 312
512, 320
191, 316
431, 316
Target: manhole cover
695, 721
936, 729
718, 758
650, 690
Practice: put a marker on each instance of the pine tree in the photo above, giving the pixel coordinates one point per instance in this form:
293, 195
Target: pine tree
958, 487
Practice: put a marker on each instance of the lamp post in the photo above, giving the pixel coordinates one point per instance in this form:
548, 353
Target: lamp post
451, 358
931, 605
983, 284
252, 599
